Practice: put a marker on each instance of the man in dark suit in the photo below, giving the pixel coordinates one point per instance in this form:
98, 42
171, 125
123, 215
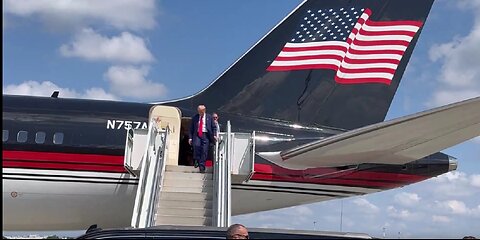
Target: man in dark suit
202, 131
211, 149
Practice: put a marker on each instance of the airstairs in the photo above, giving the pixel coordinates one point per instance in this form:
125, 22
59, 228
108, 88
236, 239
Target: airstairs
168, 194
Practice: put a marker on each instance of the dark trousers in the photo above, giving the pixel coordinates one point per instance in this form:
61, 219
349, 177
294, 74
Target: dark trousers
200, 149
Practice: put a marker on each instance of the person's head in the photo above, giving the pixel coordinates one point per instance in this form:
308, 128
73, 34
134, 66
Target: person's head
237, 231
215, 116
201, 109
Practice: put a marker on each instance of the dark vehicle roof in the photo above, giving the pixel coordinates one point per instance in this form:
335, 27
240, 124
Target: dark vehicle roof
180, 232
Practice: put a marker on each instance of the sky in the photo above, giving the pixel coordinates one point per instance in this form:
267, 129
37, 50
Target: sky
161, 50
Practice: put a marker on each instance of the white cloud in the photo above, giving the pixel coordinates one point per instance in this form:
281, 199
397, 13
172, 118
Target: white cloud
457, 207
400, 214
46, 88
476, 211
452, 185
460, 60
459, 76
90, 45
447, 96
303, 210
475, 180
366, 206
407, 199
130, 81
440, 219
452, 177
120, 14
98, 93
124, 81
454, 207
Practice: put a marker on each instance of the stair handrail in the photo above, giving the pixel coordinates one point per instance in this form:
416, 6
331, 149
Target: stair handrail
222, 179
141, 182
161, 156
218, 158
127, 159
228, 173
142, 212
215, 212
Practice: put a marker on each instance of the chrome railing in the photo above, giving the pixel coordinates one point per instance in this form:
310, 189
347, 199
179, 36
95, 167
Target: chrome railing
222, 179
127, 159
151, 177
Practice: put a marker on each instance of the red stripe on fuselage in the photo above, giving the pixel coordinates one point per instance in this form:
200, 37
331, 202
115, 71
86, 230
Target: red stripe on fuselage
63, 161
265, 172
63, 166
62, 157
383, 180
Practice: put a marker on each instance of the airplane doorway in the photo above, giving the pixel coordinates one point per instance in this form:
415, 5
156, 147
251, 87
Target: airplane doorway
185, 156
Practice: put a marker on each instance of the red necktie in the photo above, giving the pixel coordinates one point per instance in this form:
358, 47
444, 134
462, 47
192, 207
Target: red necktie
200, 127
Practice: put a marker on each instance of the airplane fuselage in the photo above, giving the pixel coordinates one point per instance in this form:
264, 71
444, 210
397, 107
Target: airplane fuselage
63, 165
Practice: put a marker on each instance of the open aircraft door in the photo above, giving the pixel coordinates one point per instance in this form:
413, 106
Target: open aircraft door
172, 117
136, 139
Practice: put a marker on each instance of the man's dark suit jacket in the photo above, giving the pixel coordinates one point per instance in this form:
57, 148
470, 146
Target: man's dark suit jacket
210, 125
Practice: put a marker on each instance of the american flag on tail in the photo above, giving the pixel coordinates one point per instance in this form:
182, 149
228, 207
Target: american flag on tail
346, 40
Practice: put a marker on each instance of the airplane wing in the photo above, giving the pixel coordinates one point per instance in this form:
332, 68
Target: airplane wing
397, 141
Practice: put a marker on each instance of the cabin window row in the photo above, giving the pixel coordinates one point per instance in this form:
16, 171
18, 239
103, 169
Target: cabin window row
40, 137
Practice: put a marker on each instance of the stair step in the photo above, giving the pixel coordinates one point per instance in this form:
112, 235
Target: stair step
185, 169
188, 176
183, 221
196, 212
185, 196
187, 189
184, 204
187, 183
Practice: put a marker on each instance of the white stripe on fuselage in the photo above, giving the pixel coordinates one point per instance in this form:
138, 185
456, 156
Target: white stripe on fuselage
65, 205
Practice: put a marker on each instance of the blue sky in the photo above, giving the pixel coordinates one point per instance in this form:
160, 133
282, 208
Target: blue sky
168, 49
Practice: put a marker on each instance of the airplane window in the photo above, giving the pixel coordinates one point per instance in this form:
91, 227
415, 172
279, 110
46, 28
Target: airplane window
58, 138
4, 135
40, 137
22, 136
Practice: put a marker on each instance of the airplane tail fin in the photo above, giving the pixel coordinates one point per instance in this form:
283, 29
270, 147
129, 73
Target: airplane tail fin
328, 63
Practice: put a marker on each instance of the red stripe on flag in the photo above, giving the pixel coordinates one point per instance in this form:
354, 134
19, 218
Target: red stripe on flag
362, 80
368, 11
380, 42
314, 48
393, 23
367, 70
302, 67
370, 61
361, 52
365, 32
308, 57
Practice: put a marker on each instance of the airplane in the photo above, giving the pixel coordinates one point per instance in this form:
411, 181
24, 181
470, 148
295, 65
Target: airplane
316, 89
